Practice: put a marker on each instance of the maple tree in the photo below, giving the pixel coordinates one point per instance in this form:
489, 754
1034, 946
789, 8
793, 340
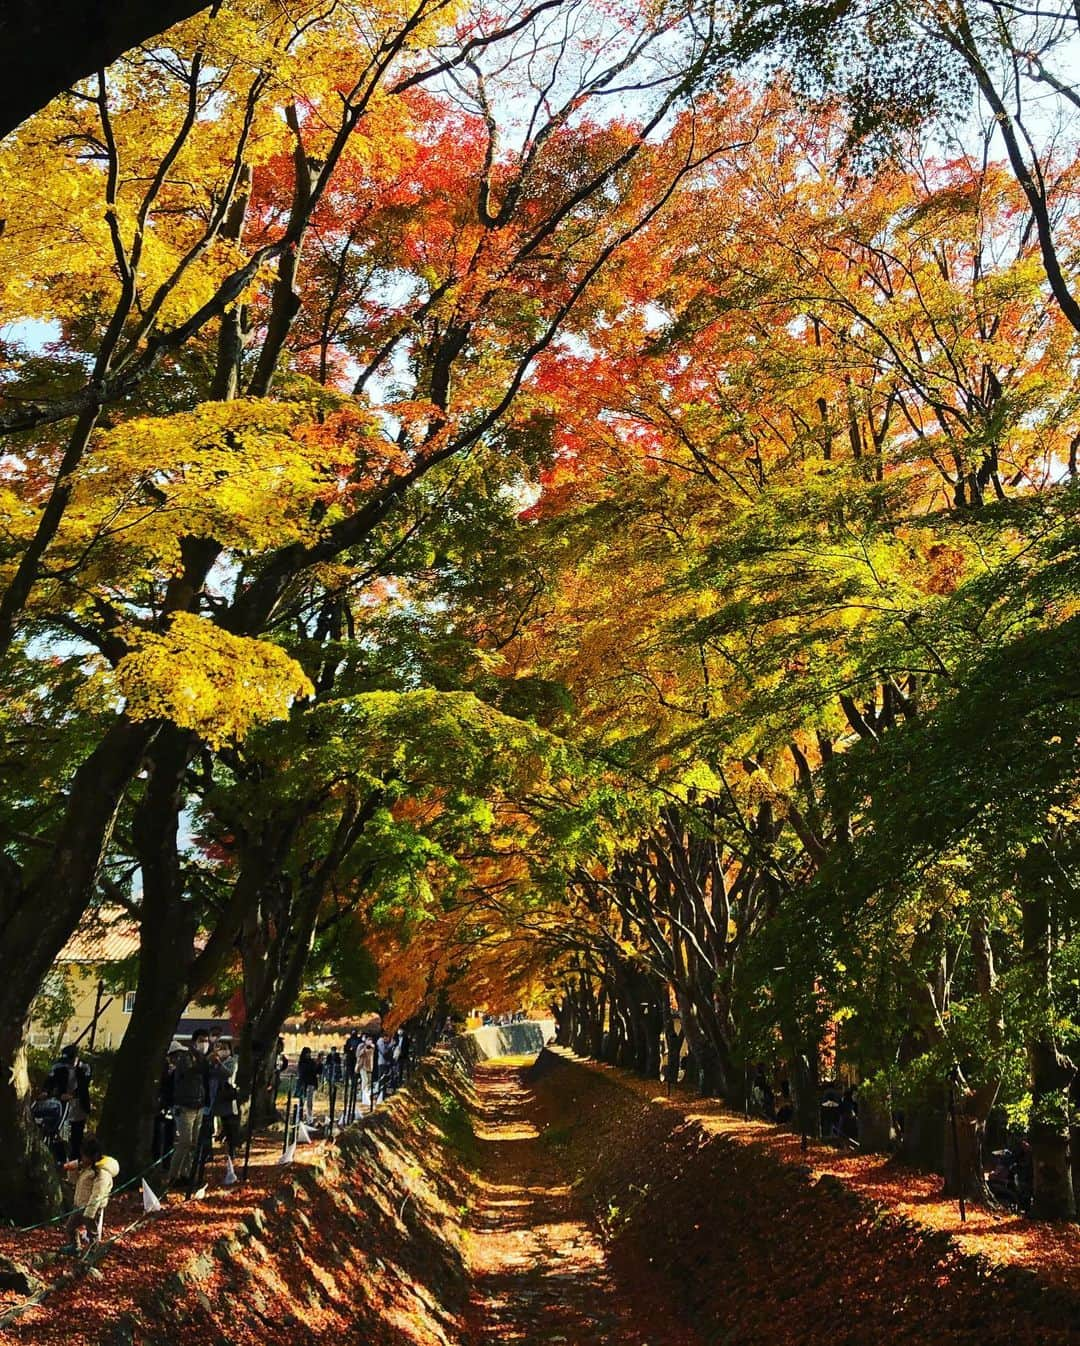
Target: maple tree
183, 497
504, 494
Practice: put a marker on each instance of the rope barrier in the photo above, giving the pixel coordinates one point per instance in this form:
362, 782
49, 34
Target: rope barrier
66, 1215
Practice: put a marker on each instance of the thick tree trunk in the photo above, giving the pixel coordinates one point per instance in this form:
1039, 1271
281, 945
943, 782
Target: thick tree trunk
127, 1115
595, 1026
29, 1183
36, 919
923, 1141
673, 1041
802, 1062
166, 955
965, 1173
877, 1135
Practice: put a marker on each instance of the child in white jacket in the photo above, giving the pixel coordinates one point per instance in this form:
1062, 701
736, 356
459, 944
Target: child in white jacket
93, 1186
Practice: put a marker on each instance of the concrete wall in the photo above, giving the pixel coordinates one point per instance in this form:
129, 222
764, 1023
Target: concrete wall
524, 1039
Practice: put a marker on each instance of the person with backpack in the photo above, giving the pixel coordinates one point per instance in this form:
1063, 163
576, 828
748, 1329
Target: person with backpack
191, 1099
69, 1081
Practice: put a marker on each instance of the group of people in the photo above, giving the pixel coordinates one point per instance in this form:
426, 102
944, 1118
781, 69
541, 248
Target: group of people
198, 1103
839, 1106
367, 1068
199, 1106
61, 1111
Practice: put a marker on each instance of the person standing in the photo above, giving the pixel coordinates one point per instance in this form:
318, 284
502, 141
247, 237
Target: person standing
191, 1098
96, 1173
384, 1065
365, 1067
307, 1081
165, 1121
348, 1067
348, 1054
69, 1081
225, 1106
401, 1055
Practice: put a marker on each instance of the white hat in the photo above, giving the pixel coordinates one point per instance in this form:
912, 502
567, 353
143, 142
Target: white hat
175, 1047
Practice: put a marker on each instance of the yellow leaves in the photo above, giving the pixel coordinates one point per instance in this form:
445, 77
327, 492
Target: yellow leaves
202, 678
237, 472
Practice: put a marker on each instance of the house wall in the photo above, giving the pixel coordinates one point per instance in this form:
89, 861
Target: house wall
112, 1023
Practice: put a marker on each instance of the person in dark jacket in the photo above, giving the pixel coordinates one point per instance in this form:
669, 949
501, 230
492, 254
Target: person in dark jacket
307, 1081
401, 1056
384, 1065
225, 1096
348, 1054
849, 1115
164, 1121
69, 1081
191, 1098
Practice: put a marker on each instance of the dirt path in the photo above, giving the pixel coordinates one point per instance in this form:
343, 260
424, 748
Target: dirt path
540, 1270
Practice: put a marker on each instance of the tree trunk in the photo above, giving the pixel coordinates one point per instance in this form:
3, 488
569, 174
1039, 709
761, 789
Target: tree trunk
802, 1063
45, 48
877, 1135
1052, 1075
29, 1183
965, 1173
36, 919
167, 953
924, 1133
673, 1041
131, 1101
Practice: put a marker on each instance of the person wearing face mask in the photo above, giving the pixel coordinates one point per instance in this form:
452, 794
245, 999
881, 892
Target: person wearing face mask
225, 1095
191, 1096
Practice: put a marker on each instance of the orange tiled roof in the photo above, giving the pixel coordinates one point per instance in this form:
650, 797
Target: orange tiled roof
109, 936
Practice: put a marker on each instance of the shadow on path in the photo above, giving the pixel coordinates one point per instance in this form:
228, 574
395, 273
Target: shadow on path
539, 1266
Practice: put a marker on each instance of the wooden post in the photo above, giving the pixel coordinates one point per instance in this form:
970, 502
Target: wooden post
97, 1013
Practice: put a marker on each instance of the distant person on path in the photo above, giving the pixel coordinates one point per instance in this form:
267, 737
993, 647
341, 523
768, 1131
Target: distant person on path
365, 1066
307, 1081
401, 1056
69, 1081
93, 1187
348, 1054
384, 1064
849, 1115
191, 1097
333, 1071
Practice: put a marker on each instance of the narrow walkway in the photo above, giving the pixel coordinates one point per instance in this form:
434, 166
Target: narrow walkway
540, 1269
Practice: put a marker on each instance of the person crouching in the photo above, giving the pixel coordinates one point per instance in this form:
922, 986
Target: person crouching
95, 1174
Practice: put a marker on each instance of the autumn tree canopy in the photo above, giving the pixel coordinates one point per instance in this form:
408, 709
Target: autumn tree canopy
554, 503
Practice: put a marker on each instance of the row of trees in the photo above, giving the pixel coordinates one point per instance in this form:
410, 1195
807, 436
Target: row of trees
479, 474
810, 541
277, 280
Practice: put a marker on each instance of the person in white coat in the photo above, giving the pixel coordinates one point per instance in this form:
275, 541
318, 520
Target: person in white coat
95, 1174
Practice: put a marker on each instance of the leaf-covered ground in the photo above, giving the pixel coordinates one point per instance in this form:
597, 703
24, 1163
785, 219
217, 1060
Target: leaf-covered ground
562, 1202
759, 1244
